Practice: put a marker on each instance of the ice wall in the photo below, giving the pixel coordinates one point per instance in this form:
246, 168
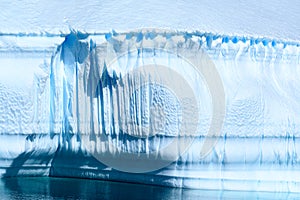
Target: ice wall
74, 124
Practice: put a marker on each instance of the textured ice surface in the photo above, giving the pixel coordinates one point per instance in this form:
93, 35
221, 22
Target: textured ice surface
53, 99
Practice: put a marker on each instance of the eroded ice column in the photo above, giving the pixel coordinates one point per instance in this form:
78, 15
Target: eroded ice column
193, 106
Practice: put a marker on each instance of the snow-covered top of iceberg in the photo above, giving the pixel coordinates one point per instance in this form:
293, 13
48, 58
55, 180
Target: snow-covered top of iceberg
274, 19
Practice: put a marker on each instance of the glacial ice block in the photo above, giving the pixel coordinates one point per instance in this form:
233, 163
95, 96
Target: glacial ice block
179, 109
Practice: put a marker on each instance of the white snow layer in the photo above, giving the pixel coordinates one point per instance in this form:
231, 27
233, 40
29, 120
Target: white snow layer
275, 19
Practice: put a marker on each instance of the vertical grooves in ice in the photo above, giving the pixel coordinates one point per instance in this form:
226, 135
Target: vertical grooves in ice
260, 137
252, 73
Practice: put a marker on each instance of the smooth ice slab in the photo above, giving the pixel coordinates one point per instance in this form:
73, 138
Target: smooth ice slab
275, 19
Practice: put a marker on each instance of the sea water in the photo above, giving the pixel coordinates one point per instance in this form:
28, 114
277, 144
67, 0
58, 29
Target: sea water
36, 188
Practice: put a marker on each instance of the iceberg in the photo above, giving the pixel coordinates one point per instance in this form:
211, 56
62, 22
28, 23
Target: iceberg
180, 109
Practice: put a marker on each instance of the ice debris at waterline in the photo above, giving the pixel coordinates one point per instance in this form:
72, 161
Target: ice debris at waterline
159, 107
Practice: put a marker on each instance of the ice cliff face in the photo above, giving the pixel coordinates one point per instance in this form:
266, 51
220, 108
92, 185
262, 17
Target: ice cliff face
171, 108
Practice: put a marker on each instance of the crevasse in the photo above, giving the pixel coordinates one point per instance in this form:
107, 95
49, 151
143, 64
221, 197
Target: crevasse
72, 108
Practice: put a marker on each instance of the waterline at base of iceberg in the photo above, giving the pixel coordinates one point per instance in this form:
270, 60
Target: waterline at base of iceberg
230, 167
49, 188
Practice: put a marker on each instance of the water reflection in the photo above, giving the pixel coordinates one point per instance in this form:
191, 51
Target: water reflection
68, 188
